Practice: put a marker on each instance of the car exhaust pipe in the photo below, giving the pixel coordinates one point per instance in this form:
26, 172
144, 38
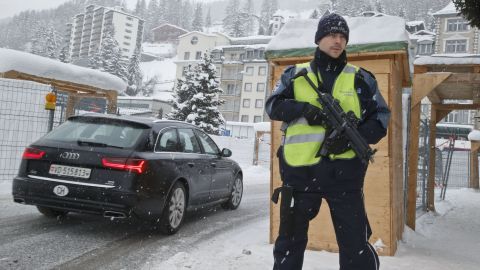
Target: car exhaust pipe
114, 214
18, 200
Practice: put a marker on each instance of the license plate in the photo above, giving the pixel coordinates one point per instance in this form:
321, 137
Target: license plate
69, 171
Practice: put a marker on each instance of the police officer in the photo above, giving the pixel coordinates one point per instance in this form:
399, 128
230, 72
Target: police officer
338, 177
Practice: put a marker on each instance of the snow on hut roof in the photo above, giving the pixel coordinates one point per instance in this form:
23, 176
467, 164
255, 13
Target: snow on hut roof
367, 34
449, 9
448, 59
53, 69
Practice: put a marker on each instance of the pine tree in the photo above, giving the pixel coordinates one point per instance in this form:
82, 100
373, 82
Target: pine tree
141, 9
196, 97
378, 6
234, 22
470, 9
269, 7
197, 23
151, 19
314, 14
185, 14
208, 20
51, 43
249, 15
135, 76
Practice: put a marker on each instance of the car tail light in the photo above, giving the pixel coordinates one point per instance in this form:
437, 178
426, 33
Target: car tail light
125, 164
32, 153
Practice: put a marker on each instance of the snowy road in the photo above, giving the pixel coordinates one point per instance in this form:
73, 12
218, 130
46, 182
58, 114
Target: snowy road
31, 241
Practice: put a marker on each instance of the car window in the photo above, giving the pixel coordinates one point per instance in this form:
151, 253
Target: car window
167, 141
208, 144
115, 133
188, 141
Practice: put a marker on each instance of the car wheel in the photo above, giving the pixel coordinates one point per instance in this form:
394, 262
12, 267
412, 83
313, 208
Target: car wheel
236, 194
51, 213
174, 211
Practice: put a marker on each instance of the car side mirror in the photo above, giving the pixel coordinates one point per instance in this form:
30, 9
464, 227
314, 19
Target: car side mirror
226, 152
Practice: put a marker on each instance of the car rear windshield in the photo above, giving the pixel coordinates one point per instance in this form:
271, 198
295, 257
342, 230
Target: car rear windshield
98, 132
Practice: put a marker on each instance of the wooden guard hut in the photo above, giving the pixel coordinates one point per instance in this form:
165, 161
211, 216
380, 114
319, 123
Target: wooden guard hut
378, 44
443, 80
78, 82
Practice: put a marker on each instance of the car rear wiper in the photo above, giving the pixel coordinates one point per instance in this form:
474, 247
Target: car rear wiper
98, 144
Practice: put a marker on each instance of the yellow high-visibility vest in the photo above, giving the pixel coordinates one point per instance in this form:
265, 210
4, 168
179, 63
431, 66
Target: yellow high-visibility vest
302, 141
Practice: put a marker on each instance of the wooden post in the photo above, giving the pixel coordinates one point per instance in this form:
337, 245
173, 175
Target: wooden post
431, 160
474, 183
72, 100
112, 101
413, 166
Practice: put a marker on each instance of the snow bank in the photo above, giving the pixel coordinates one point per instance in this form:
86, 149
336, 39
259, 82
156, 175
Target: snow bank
54, 69
448, 59
300, 33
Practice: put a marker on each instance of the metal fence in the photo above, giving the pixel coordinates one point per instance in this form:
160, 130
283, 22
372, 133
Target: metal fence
452, 167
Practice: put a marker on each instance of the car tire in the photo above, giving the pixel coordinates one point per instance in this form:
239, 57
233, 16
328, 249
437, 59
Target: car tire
51, 213
236, 194
174, 210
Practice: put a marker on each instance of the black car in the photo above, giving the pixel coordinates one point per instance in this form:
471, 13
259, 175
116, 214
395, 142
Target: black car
119, 166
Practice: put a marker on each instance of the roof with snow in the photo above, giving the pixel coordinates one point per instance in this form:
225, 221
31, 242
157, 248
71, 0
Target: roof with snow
450, 9
448, 59
415, 23
170, 25
50, 69
386, 33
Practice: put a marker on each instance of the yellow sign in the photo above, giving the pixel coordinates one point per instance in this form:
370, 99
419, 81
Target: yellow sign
50, 101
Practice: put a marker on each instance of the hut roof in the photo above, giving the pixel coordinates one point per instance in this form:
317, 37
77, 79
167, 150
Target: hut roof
367, 34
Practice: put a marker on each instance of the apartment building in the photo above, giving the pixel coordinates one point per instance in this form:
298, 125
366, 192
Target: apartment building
86, 31
453, 34
241, 67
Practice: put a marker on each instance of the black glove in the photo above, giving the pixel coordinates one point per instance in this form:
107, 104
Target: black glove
337, 145
314, 115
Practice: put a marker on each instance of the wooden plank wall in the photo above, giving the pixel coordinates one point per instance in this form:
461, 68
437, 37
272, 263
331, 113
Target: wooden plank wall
384, 178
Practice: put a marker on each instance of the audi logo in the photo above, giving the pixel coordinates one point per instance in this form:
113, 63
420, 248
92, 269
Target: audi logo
69, 155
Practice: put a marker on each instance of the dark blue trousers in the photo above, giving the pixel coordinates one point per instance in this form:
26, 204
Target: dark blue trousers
351, 228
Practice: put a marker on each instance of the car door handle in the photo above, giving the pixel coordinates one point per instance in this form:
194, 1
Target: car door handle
213, 164
191, 164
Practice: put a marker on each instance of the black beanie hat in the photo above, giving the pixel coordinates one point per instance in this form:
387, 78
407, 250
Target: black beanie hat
331, 23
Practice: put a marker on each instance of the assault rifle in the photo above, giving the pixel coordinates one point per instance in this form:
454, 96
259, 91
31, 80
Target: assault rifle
338, 123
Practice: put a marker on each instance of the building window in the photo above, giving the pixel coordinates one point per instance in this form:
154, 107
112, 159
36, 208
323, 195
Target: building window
246, 103
244, 118
259, 103
194, 40
233, 56
128, 31
249, 54
129, 24
425, 49
262, 71
257, 119
130, 18
457, 25
230, 89
126, 43
248, 87
261, 54
249, 70
456, 46
126, 50
198, 55
260, 87
127, 37
186, 56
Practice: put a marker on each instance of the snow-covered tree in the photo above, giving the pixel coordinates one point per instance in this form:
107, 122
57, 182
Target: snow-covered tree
151, 19
196, 97
64, 55
378, 6
149, 86
249, 12
268, 9
109, 57
234, 21
186, 14
51, 43
197, 23
315, 14
141, 9
134, 76
208, 19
